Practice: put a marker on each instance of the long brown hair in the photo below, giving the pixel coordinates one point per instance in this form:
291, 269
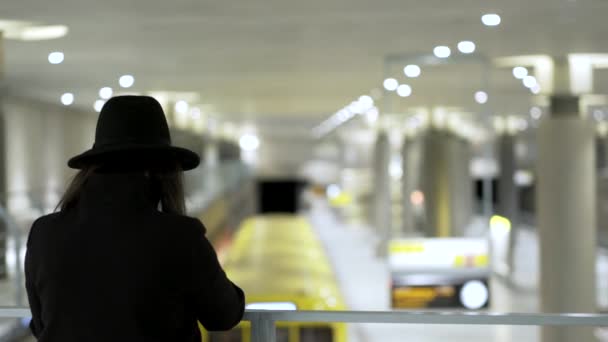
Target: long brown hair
167, 183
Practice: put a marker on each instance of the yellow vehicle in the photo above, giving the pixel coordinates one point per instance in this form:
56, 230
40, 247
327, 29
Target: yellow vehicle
279, 263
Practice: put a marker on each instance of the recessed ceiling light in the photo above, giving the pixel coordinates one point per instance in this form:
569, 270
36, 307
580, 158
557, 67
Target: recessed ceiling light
98, 105
27, 30
105, 93
412, 70
442, 51
126, 81
481, 97
404, 90
56, 57
67, 99
491, 19
344, 115
530, 81
181, 106
466, 46
521, 124
372, 115
536, 112
366, 102
390, 84
520, 72
31, 32
249, 142
535, 89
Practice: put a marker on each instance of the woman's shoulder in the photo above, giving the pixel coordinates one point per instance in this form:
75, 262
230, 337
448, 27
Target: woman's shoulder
48, 219
190, 224
43, 224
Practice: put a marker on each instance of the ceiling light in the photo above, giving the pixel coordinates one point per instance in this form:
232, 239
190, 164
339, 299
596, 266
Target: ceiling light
126, 81
372, 115
404, 90
536, 112
366, 102
390, 84
412, 71
31, 33
535, 89
442, 51
481, 97
56, 57
466, 46
181, 106
249, 142
530, 81
105, 93
490, 19
355, 107
521, 124
520, 72
67, 99
343, 115
98, 105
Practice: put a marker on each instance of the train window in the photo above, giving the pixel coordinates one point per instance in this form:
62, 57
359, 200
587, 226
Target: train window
316, 334
233, 335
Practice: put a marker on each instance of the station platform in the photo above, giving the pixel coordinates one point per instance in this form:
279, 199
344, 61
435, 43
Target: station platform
364, 281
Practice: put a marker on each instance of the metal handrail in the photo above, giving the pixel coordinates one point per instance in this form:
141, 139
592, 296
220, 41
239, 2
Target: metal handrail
263, 321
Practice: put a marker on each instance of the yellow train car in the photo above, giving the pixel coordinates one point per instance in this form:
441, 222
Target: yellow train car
280, 263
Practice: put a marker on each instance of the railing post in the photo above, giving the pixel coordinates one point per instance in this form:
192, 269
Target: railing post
262, 329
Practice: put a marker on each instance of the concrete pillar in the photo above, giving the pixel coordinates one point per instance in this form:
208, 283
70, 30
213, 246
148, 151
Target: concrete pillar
461, 184
507, 191
3, 176
601, 153
407, 187
382, 196
446, 184
52, 156
435, 184
566, 217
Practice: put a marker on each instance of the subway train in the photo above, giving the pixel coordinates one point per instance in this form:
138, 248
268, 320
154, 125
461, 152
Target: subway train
280, 264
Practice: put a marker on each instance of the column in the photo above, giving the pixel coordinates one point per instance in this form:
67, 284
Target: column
460, 183
382, 196
52, 132
566, 216
507, 191
601, 153
446, 184
3, 176
435, 184
407, 187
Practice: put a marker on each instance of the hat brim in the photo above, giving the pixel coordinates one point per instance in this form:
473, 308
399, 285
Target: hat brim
159, 155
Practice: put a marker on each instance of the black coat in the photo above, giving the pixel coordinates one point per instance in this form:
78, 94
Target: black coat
114, 268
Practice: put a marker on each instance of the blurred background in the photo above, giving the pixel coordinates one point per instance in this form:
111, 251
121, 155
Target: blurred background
414, 155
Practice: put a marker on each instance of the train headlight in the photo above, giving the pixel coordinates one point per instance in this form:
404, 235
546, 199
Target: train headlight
474, 295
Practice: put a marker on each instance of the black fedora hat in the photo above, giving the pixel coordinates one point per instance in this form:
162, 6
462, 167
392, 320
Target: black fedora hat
133, 128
